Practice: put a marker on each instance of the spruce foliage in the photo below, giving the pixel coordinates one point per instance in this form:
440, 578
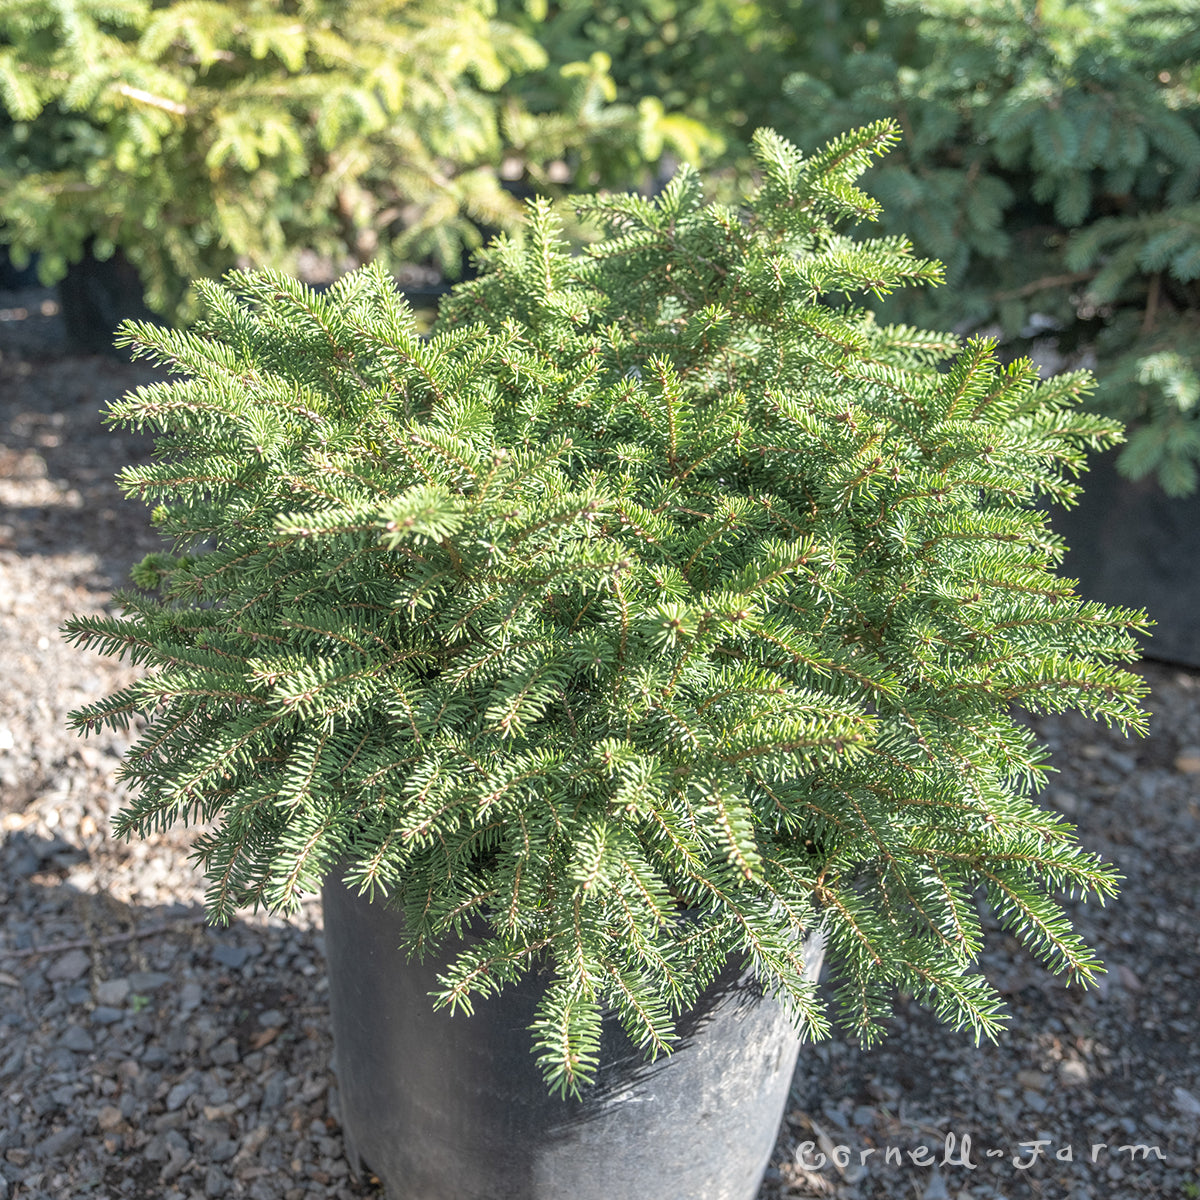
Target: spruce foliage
659, 608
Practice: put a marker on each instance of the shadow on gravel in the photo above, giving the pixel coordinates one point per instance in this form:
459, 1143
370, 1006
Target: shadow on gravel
58, 493
144, 1055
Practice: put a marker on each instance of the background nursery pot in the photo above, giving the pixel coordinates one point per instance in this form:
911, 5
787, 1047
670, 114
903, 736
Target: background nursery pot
446, 1107
1132, 544
651, 583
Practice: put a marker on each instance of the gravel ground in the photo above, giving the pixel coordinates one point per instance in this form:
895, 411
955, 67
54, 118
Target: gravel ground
145, 1056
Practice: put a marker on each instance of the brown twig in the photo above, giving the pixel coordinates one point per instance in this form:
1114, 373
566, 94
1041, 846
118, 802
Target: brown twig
1152, 300
111, 939
1047, 281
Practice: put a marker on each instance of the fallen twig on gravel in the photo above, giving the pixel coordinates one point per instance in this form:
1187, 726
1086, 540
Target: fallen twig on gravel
109, 939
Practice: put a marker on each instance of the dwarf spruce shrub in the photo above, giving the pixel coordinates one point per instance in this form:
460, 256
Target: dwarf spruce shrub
659, 608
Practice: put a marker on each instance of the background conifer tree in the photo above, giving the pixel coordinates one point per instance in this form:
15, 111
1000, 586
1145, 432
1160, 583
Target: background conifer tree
1051, 159
195, 135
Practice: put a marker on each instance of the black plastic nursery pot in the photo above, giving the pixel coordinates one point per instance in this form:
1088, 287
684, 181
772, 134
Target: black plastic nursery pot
447, 1107
1132, 544
96, 295
14, 278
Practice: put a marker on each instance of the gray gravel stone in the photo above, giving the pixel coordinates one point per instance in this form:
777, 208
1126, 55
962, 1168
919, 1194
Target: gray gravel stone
230, 956
177, 1159
14, 1060
275, 1092
70, 966
225, 1053
62, 1142
170, 1120
78, 1039
145, 982
155, 1149
179, 1095
112, 992
216, 1182
103, 1015
60, 1059
271, 1019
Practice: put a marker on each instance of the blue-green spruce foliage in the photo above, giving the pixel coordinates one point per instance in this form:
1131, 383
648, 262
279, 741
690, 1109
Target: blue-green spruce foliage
656, 581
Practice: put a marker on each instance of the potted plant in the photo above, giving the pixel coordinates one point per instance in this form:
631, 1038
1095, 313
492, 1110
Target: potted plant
654, 615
